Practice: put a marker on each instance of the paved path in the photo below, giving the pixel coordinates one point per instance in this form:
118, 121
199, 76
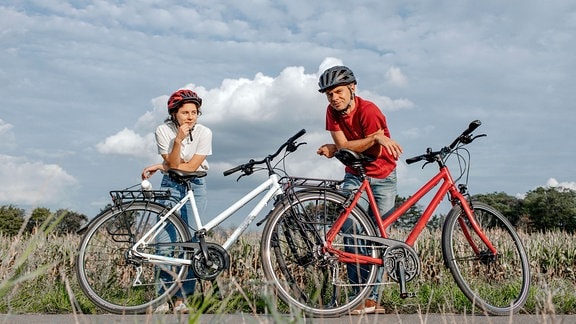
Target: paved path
266, 319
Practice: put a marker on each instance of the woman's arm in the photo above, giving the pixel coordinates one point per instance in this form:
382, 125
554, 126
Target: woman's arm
150, 170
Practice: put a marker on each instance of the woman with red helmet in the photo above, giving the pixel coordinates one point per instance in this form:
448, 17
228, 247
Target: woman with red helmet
183, 144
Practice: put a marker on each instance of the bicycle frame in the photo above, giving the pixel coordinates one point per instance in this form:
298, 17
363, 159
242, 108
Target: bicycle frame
272, 188
446, 184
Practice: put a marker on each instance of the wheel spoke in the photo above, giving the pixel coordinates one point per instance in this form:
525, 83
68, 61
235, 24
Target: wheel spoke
116, 279
498, 284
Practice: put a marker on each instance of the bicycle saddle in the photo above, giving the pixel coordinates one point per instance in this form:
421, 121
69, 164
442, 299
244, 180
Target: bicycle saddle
183, 176
351, 158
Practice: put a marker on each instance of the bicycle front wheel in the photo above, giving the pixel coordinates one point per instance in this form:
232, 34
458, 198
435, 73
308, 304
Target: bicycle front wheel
498, 284
115, 279
293, 260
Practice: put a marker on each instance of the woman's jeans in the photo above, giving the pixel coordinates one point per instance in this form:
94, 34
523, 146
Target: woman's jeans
178, 191
385, 195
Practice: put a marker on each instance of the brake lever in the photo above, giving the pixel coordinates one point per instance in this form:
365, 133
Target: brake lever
247, 169
292, 147
475, 137
469, 138
466, 139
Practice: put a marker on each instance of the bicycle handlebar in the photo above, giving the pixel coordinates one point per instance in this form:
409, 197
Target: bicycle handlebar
289, 145
473, 125
464, 138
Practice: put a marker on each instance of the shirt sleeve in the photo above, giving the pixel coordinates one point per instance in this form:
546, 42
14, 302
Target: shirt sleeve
164, 139
332, 124
373, 120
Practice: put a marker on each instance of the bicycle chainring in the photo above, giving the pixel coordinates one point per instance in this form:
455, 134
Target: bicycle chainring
218, 260
408, 256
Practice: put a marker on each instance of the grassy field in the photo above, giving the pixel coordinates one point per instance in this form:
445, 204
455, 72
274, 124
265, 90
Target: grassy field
38, 277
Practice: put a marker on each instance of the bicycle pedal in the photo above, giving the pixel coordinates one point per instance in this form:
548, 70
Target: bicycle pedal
407, 295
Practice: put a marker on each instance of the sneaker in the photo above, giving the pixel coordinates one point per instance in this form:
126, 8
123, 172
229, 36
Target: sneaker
181, 309
368, 307
379, 309
162, 309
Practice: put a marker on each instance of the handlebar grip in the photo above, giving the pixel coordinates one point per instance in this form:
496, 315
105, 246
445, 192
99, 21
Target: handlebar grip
295, 137
234, 169
473, 125
414, 159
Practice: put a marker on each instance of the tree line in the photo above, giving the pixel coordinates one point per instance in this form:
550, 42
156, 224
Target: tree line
542, 209
14, 220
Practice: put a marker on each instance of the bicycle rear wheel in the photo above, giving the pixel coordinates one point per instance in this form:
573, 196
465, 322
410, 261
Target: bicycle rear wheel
122, 283
497, 284
293, 260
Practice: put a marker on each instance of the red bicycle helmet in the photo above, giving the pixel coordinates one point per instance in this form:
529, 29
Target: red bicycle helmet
181, 97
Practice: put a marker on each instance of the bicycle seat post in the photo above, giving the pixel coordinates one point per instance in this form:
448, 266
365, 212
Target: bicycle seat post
188, 186
361, 170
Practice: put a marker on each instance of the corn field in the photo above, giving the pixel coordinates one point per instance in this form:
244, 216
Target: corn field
38, 277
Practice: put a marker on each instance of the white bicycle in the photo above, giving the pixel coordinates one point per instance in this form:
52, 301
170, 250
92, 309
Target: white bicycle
126, 246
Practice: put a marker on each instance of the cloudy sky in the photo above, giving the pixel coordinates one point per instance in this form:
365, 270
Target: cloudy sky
84, 84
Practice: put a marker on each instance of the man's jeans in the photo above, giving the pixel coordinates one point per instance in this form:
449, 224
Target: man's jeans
385, 195
178, 191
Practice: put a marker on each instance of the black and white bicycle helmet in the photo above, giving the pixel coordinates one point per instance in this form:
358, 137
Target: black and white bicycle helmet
335, 76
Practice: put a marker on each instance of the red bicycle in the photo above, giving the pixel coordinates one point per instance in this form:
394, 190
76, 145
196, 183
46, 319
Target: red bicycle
316, 237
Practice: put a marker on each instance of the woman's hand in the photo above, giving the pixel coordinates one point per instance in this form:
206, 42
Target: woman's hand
183, 132
150, 170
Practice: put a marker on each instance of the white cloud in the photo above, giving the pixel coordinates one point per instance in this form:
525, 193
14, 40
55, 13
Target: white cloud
34, 183
102, 72
328, 63
7, 135
239, 106
386, 103
553, 183
395, 77
128, 142
418, 132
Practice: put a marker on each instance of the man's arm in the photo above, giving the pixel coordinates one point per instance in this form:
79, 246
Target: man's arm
361, 145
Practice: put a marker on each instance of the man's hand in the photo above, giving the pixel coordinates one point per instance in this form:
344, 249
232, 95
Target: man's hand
327, 150
389, 144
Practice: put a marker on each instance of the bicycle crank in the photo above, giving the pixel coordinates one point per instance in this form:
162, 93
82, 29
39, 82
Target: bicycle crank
404, 257
208, 269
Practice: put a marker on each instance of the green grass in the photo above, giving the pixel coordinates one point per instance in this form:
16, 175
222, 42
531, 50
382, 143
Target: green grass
38, 277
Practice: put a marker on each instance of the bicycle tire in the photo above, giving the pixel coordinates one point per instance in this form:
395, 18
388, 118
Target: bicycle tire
498, 285
106, 274
295, 264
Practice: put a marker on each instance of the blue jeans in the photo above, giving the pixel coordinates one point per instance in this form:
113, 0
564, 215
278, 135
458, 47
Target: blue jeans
178, 191
385, 195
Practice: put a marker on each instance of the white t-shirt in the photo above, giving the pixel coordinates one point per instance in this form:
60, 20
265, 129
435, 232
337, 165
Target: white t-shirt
201, 142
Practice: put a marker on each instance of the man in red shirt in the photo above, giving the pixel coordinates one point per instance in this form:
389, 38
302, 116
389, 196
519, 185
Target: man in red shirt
359, 125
